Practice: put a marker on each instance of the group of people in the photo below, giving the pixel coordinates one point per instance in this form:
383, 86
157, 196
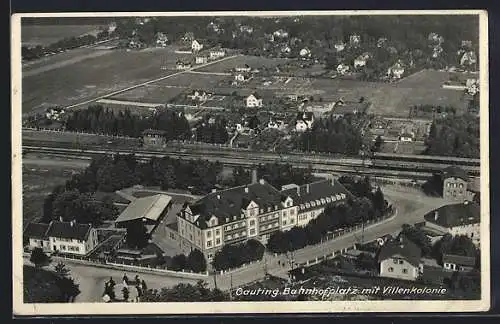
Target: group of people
109, 292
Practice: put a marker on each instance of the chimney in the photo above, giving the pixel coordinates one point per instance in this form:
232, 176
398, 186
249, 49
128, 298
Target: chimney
214, 190
262, 181
436, 215
298, 190
218, 197
61, 219
254, 176
72, 223
307, 188
246, 189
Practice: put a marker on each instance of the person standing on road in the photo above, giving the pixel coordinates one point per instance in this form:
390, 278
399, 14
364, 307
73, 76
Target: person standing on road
125, 280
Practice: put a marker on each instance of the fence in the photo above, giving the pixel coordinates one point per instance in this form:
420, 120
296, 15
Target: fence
104, 263
63, 131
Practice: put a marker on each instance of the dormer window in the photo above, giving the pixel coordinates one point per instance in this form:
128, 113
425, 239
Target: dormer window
269, 208
328, 200
227, 219
313, 203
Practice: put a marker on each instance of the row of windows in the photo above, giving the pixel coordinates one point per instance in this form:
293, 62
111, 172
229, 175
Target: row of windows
264, 227
391, 269
454, 185
292, 221
398, 261
323, 201
461, 192
234, 226
217, 242
73, 248
217, 233
269, 217
236, 235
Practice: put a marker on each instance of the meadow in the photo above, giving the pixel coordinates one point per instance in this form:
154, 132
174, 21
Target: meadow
43, 35
95, 76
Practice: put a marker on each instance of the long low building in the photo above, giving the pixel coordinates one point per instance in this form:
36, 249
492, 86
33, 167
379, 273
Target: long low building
252, 211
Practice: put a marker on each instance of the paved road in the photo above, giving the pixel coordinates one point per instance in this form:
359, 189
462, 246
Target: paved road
411, 206
91, 279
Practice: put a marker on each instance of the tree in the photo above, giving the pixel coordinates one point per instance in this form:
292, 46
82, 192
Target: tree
68, 287
458, 245
434, 185
366, 262
418, 237
137, 235
179, 262
39, 258
196, 261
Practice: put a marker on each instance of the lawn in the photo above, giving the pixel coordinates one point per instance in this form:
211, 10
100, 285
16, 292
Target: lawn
40, 286
75, 138
38, 182
33, 35
254, 62
95, 76
151, 93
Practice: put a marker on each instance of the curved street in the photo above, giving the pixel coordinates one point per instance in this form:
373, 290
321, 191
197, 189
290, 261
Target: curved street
411, 207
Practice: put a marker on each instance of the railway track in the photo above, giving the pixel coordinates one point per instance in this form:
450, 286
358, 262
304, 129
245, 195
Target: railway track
391, 168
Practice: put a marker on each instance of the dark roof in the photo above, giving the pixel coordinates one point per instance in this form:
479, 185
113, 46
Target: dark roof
153, 132
455, 172
455, 215
230, 202
68, 230
401, 247
36, 230
256, 95
315, 191
459, 260
306, 115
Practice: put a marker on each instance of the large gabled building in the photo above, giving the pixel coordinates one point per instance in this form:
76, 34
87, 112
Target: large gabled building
253, 211
63, 237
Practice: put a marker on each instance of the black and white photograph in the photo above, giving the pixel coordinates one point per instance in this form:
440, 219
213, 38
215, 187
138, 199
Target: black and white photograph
250, 162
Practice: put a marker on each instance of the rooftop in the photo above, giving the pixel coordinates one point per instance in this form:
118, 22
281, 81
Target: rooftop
314, 191
147, 207
455, 215
229, 203
36, 230
68, 230
455, 172
401, 247
459, 260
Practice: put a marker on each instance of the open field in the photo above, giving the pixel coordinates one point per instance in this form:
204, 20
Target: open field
76, 138
196, 80
165, 90
255, 62
33, 35
39, 180
95, 77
